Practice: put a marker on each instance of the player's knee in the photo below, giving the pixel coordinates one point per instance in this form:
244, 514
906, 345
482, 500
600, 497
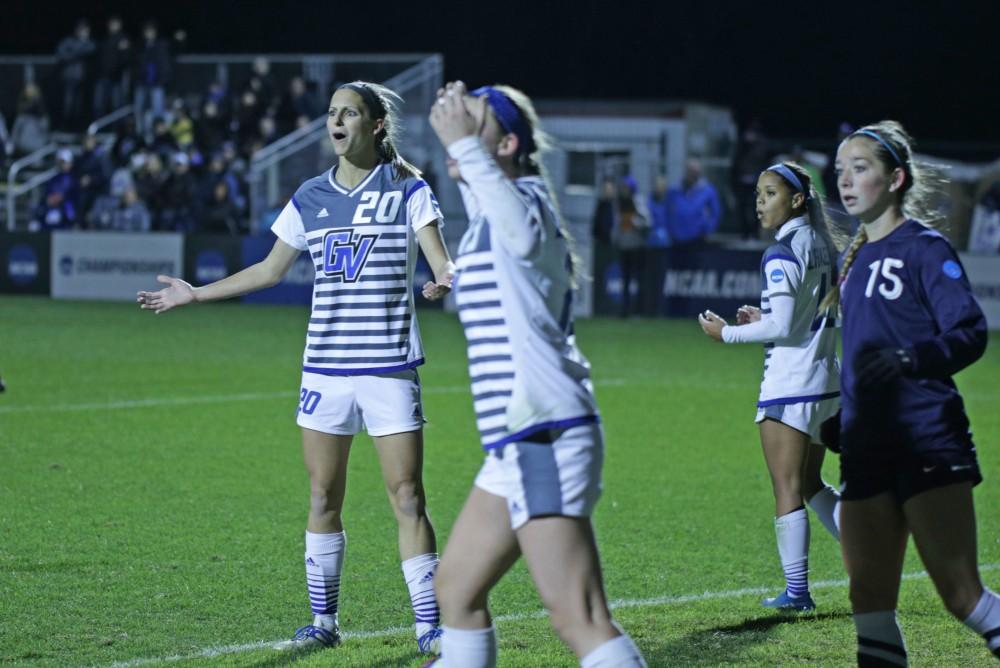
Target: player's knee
407, 499
321, 501
454, 596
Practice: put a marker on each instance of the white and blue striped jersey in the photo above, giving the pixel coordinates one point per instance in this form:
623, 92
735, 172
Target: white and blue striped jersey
513, 288
362, 242
800, 342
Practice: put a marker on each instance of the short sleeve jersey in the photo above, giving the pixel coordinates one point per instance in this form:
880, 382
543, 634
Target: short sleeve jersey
362, 244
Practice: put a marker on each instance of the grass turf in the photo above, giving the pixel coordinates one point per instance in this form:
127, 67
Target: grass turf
153, 499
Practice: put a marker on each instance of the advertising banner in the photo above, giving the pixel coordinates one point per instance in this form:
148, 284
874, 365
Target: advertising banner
24, 263
112, 265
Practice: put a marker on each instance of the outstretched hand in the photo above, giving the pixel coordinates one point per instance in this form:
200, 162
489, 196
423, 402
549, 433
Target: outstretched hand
177, 293
433, 291
711, 324
450, 116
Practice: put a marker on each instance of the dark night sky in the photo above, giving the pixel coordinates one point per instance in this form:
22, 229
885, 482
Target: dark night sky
799, 67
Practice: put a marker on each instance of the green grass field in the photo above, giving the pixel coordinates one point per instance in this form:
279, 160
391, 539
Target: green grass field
153, 500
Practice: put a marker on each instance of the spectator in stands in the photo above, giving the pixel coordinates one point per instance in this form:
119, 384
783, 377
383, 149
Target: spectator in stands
693, 209
604, 214
72, 55
127, 142
180, 195
182, 127
212, 129
752, 157
216, 171
30, 131
298, 106
220, 215
247, 119
163, 143
150, 183
93, 171
114, 61
123, 213
58, 207
631, 224
261, 83
152, 73
659, 234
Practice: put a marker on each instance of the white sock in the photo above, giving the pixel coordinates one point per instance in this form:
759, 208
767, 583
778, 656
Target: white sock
792, 532
826, 504
985, 620
880, 640
465, 648
618, 652
419, 575
324, 562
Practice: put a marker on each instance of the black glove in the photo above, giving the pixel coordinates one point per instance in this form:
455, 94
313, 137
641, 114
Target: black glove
883, 365
829, 433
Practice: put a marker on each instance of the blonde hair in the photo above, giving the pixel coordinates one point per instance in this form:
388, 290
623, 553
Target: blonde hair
388, 137
922, 184
531, 163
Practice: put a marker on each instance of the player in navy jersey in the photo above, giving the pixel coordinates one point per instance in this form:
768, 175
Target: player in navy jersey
535, 409
800, 388
359, 221
908, 464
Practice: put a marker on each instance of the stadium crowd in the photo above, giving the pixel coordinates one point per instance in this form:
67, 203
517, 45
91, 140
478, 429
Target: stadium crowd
178, 163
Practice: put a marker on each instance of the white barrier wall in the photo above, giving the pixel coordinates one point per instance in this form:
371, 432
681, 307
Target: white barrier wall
112, 265
984, 274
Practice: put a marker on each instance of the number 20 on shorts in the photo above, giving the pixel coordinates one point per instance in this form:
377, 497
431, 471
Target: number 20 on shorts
308, 400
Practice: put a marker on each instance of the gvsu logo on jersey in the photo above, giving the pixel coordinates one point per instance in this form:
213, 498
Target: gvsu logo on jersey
345, 253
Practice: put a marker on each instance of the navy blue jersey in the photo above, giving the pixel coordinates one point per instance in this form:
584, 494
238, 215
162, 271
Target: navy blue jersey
908, 290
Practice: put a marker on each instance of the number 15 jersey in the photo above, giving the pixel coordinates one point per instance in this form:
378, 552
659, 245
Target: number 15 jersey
362, 243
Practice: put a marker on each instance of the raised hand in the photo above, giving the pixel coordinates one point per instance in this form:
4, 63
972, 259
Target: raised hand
177, 293
450, 115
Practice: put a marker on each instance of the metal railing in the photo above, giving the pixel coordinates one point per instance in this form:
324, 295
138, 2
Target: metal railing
109, 119
14, 190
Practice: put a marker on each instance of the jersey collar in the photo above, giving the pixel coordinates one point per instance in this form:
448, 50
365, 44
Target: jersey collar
791, 227
350, 193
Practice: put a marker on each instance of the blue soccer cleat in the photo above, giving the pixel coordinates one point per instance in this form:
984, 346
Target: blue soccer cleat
787, 603
430, 642
309, 638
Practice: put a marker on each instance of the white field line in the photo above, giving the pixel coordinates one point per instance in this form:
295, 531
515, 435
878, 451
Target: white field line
210, 652
216, 399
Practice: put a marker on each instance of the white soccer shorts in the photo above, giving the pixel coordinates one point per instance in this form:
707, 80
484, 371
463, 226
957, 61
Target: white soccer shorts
805, 417
546, 479
344, 405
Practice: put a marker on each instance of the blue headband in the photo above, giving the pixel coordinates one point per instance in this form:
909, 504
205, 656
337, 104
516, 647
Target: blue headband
888, 147
509, 116
788, 175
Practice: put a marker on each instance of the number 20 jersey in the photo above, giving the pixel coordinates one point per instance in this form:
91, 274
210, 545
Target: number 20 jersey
362, 243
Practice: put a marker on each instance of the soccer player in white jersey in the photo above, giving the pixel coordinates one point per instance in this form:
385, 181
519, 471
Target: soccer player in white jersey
535, 409
358, 221
800, 388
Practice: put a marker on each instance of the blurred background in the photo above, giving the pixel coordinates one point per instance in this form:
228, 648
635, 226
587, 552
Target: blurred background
140, 139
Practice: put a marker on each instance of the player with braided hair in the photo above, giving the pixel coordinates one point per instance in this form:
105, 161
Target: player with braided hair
908, 464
